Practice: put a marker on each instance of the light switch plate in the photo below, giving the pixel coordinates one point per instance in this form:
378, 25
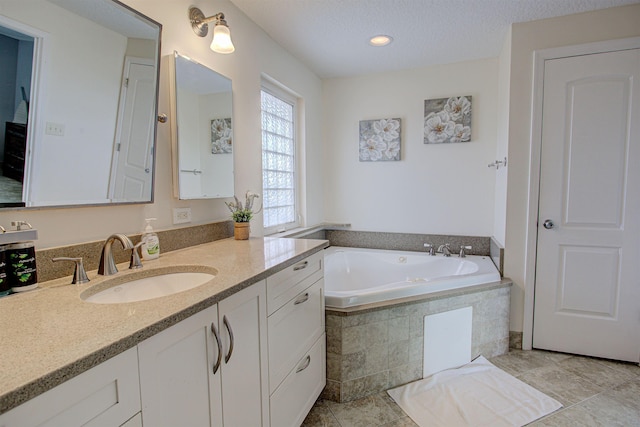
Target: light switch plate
181, 215
55, 129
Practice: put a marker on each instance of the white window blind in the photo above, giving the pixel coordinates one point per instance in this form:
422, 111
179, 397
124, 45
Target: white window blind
278, 162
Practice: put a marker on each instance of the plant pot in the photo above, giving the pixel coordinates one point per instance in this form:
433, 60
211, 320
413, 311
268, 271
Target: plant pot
241, 230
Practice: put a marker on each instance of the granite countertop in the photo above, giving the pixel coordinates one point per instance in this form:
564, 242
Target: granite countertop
49, 335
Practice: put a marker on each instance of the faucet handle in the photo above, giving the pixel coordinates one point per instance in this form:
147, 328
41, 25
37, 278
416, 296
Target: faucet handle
464, 248
430, 248
79, 275
135, 258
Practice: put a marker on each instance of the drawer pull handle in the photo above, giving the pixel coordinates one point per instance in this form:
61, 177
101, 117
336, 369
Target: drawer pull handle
215, 334
301, 266
305, 364
302, 299
228, 326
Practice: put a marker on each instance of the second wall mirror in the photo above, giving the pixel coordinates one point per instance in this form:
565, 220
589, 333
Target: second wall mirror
203, 133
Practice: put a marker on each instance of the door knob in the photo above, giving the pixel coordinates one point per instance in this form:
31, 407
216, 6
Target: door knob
548, 224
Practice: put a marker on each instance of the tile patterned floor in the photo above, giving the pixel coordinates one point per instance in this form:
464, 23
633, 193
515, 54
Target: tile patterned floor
594, 392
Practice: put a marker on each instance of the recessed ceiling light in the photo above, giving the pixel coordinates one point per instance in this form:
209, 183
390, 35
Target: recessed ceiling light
380, 40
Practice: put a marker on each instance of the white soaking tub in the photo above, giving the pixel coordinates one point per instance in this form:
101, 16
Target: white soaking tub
355, 276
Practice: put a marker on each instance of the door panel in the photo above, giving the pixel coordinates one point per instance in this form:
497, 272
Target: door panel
589, 281
596, 150
587, 295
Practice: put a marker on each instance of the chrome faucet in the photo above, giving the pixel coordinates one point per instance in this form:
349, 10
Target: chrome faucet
430, 248
445, 250
463, 249
107, 266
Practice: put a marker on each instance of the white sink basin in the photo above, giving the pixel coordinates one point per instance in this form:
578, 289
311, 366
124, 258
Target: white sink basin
149, 288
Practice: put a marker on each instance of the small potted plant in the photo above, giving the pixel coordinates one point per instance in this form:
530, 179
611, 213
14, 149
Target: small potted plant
242, 215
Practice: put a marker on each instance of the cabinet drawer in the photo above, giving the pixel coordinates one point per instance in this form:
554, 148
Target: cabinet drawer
287, 283
291, 402
107, 395
292, 331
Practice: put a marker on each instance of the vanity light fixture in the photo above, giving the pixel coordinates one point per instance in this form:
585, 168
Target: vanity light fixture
380, 40
221, 42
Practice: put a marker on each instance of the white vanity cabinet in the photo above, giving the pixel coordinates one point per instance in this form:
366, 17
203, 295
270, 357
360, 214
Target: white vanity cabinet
297, 356
209, 369
254, 359
106, 395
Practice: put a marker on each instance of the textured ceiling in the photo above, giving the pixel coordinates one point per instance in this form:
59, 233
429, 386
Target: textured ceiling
331, 36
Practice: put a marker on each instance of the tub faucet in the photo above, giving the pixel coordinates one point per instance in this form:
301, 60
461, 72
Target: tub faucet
430, 248
463, 250
445, 250
107, 266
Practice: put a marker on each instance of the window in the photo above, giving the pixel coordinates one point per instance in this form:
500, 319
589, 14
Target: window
278, 160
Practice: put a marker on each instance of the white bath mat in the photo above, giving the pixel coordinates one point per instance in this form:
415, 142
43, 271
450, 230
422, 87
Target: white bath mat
476, 394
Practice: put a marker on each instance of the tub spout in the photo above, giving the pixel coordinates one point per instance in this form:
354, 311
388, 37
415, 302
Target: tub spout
445, 250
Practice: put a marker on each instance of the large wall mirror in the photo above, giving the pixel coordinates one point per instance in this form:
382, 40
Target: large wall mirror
79, 107
203, 140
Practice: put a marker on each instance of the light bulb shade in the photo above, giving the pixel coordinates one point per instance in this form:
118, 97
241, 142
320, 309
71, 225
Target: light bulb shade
221, 42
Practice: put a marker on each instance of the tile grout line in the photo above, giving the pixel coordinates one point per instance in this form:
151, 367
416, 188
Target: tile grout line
602, 389
334, 416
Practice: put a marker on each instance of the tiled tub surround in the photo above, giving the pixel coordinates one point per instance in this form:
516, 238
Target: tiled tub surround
378, 347
49, 335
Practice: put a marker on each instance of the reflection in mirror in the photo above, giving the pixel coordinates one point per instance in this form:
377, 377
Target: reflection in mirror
78, 124
204, 137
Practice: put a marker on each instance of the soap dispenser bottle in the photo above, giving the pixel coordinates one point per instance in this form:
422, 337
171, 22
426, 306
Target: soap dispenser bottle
150, 243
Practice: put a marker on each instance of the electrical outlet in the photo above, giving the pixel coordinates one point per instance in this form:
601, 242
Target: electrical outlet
55, 129
181, 215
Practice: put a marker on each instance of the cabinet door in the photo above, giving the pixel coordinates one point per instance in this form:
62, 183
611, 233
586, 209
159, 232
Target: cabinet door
243, 329
177, 384
106, 395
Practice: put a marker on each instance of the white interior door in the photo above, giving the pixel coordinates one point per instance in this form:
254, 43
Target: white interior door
587, 292
131, 172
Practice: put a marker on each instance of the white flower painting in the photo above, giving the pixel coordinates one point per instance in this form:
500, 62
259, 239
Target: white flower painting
447, 120
221, 136
380, 140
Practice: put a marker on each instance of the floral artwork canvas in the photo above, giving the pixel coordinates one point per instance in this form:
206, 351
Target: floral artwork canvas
447, 120
221, 136
379, 140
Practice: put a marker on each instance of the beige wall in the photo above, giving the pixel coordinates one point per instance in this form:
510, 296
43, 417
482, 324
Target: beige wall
255, 54
614, 23
502, 145
434, 188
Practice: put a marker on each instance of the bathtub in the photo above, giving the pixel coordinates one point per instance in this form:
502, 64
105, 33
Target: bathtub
355, 276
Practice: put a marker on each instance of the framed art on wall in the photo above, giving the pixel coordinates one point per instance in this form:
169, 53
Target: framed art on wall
380, 140
447, 120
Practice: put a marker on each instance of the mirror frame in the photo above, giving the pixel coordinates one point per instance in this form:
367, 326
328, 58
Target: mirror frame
35, 129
